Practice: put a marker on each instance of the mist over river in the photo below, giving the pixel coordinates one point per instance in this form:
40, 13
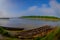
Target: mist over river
27, 23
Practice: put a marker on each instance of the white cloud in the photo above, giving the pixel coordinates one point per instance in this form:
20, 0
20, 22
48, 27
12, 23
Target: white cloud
56, 6
3, 12
32, 8
5, 6
40, 11
53, 10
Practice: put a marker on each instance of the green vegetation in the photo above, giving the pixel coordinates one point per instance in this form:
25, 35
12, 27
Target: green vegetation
53, 35
40, 17
6, 34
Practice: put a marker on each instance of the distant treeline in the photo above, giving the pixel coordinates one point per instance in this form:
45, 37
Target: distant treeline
40, 17
4, 18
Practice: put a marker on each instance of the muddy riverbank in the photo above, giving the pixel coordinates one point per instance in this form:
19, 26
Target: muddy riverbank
29, 34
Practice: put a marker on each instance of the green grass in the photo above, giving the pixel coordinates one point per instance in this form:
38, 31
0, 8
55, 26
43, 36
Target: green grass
40, 17
52, 35
6, 34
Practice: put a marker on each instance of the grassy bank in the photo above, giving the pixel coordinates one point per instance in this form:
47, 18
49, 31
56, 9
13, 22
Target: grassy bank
5, 35
42, 17
53, 35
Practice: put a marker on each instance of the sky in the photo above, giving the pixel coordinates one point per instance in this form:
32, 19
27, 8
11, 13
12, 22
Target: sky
17, 8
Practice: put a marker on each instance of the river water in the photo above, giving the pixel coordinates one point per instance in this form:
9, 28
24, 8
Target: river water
27, 23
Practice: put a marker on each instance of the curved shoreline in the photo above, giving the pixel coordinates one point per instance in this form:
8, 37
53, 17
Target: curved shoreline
30, 34
12, 29
41, 17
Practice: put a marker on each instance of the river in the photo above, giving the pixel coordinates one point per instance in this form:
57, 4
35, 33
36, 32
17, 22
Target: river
27, 23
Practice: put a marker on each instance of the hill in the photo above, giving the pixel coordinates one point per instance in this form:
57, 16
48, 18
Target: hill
39, 17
